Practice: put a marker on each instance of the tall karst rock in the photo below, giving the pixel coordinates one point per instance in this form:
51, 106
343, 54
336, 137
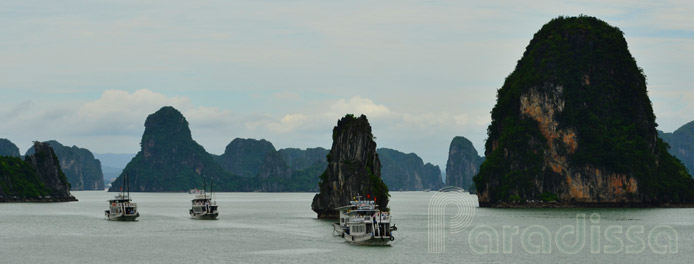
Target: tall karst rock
573, 125
353, 169
37, 178
407, 172
82, 170
8, 149
170, 160
682, 144
463, 164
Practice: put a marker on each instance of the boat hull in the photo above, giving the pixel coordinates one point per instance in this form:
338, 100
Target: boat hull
122, 217
368, 240
338, 230
205, 216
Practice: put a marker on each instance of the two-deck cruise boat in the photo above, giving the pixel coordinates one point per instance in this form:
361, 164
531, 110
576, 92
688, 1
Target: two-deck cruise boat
122, 208
362, 223
204, 207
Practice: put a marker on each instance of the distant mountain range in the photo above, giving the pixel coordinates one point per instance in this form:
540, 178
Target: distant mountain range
170, 160
8, 149
681, 143
407, 172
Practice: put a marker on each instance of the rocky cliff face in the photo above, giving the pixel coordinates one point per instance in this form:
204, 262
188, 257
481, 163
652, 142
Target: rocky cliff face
573, 125
8, 149
38, 178
353, 168
82, 170
682, 144
274, 174
407, 172
170, 160
463, 163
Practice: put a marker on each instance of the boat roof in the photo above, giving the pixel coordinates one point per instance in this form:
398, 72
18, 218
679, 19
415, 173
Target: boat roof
345, 207
360, 205
363, 211
120, 198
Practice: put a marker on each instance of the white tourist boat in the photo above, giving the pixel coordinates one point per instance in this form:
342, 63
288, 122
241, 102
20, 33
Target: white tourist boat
204, 207
122, 208
361, 222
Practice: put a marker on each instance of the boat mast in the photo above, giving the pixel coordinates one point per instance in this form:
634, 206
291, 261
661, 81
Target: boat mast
211, 193
204, 187
122, 183
128, 179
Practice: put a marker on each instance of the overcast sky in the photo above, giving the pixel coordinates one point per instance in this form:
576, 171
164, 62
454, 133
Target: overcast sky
88, 73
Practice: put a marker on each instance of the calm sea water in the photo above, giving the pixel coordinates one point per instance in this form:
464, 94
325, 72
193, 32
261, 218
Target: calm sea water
280, 227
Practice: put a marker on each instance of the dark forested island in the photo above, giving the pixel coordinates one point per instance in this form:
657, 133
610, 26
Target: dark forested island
573, 126
36, 178
263, 168
170, 160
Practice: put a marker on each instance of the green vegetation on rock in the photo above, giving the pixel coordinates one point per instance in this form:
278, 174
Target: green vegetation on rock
18, 178
170, 160
36, 178
577, 104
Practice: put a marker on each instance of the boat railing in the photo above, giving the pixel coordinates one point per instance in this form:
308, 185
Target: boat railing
369, 219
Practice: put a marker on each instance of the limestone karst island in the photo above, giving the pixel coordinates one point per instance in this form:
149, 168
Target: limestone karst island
346, 132
573, 126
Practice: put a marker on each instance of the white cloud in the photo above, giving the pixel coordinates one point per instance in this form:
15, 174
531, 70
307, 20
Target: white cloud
422, 71
359, 105
116, 107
